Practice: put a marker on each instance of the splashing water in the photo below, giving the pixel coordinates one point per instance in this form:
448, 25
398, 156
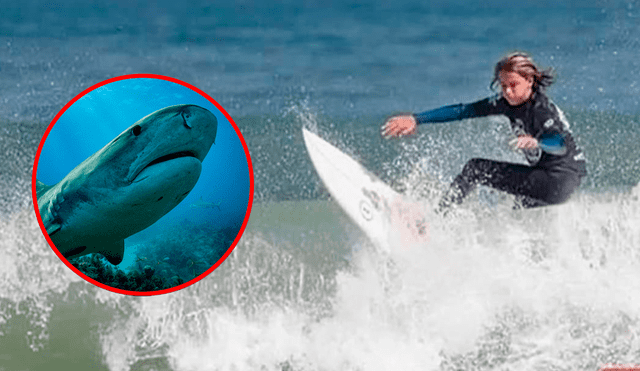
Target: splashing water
494, 288
548, 297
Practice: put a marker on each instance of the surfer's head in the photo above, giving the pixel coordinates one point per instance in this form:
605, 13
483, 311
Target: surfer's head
520, 65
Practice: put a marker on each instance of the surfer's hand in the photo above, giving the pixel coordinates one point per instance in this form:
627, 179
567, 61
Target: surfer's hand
525, 142
399, 126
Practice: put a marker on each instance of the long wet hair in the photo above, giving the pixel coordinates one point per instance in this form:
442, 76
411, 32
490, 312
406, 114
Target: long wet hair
523, 64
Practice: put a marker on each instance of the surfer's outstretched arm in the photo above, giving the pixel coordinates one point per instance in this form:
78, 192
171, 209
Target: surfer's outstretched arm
406, 124
455, 112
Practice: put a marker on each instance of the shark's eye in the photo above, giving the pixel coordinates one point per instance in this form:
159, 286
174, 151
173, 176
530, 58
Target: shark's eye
136, 130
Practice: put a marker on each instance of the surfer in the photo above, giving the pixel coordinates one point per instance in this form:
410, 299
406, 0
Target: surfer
556, 164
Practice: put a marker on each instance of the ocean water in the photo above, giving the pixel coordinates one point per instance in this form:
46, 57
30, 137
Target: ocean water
493, 289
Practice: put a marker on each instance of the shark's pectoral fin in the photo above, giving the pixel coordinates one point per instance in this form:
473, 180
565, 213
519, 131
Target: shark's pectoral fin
113, 252
52, 228
74, 251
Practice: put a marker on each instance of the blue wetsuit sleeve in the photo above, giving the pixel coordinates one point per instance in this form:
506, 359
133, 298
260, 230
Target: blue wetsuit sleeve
456, 112
552, 131
553, 143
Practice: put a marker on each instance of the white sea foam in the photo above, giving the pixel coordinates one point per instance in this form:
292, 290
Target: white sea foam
550, 288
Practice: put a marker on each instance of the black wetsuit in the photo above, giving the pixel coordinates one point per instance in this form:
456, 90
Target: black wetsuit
549, 178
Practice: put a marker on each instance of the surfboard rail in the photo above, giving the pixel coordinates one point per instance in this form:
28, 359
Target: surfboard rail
385, 216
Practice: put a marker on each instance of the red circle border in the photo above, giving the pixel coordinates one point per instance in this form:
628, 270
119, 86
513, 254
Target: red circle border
244, 146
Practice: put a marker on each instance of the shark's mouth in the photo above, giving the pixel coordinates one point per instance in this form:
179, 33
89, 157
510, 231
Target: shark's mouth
170, 157
165, 158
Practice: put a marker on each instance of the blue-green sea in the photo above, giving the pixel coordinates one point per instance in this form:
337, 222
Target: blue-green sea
493, 289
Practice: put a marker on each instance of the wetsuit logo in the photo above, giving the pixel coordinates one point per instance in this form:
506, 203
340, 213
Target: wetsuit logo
533, 155
563, 119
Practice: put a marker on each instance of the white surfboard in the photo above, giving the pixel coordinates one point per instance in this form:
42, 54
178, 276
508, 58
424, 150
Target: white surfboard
383, 214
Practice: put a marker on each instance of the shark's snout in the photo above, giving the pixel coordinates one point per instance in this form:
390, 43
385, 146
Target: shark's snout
186, 117
201, 119
174, 132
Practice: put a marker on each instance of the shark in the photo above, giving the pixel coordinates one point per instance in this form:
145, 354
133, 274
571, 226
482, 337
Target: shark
205, 205
129, 184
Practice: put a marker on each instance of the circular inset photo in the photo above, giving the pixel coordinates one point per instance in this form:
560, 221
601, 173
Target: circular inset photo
142, 184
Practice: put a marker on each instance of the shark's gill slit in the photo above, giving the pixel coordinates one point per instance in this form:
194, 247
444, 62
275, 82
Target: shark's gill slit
184, 119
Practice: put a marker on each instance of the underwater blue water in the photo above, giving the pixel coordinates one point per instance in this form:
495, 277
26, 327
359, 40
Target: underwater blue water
554, 289
101, 115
